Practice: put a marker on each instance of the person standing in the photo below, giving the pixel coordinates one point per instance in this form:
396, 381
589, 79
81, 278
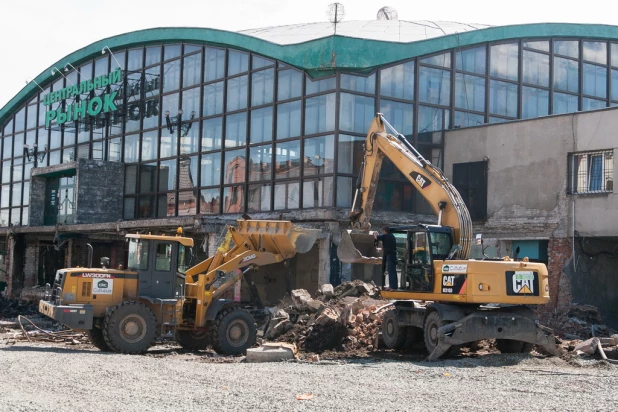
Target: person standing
389, 256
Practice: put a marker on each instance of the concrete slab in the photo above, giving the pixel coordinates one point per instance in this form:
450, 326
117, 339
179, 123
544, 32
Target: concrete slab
271, 352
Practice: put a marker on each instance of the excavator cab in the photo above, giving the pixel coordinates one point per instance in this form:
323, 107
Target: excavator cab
422, 244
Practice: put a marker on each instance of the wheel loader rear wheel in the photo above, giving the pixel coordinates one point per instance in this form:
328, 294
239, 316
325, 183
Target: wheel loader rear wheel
193, 340
97, 339
130, 328
233, 331
393, 334
513, 346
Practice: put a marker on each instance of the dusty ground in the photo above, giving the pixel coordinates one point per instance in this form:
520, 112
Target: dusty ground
61, 377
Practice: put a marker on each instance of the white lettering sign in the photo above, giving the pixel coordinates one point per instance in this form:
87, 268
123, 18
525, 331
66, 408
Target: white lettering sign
454, 268
103, 287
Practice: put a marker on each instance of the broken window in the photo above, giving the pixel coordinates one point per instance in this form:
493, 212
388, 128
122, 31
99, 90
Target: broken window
591, 172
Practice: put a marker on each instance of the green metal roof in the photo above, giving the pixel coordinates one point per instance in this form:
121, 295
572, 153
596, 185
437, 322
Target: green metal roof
318, 57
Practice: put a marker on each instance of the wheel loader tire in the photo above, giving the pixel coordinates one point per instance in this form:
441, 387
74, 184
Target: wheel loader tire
513, 346
192, 340
233, 331
130, 327
394, 336
97, 339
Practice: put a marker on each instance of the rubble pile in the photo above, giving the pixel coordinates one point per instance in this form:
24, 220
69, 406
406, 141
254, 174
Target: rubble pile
11, 308
577, 322
343, 318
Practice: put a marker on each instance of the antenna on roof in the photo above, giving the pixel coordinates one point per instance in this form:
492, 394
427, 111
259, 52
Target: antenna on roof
335, 13
387, 13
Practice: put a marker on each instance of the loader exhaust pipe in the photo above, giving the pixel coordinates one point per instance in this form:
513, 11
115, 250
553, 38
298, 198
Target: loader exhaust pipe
90, 253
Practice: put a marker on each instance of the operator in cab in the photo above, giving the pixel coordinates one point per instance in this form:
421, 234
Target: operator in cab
389, 256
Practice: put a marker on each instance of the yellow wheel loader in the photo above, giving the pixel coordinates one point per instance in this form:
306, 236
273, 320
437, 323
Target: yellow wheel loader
443, 296
125, 310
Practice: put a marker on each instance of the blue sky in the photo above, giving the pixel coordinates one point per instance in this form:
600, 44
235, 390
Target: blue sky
35, 33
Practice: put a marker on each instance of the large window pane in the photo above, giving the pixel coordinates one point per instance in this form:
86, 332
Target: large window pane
169, 143
567, 48
288, 120
131, 148
212, 133
398, 81
213, 99
211, 169
167, 175
171, 76
237, 93
262, 83
257, 62
503, 98
431, 119
148, 178
592, 104
234, 168
135, 59
20, 120
287, 195
464, 119
236, 130
319, 155
150, 141
472, 60
359, 83
595, 51
214, 64
541, 45
320, 114
209, 201
259, 198
114, 149
316, 86
595, 80
171, 104
237, 62
31, 117
261, 125
434, 86
345, 191
356, 112
443, 60
187, 177
289, 84
504, 61
189, 139
469, 92
153, 55
192, 70
191, 103
614, 84
535, 102
233, 199
260, 163
565, 103
318, 192
287, 160
566, 74
536, 68
614, 51
171, 51
399, 115
350, 154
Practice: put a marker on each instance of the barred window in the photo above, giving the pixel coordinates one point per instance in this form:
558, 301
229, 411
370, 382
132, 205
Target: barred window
591, 172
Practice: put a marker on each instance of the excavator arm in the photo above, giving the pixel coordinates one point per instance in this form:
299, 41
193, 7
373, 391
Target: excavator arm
429, 180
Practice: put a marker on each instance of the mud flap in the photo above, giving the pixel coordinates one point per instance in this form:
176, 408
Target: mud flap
357, 247
494, 324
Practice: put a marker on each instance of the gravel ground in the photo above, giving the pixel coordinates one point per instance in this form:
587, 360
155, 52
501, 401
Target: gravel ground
39, 377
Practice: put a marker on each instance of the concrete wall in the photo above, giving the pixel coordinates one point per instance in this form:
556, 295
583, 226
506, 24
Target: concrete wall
100, 188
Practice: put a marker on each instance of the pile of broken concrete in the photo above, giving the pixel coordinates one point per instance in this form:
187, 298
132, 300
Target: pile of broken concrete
347, 317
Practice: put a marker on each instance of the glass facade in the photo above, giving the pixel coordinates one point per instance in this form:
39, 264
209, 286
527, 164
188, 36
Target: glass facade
212, 130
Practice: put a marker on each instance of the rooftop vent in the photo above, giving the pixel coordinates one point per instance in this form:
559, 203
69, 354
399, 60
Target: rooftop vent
387, 13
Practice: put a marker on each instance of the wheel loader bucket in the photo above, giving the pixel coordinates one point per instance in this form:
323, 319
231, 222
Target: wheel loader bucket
358, 247
279, 236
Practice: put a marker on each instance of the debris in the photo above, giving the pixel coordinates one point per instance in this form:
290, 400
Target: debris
589, 347
272, 352
300, 297
304, 396
327, 290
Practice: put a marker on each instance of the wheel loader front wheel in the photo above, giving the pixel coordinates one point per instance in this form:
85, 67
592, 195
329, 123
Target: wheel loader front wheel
130, 328
97, 339
233, 331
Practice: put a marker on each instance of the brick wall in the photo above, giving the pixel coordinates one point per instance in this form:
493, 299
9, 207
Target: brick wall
559, 252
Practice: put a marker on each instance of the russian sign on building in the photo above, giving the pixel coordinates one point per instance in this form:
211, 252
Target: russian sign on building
92, 107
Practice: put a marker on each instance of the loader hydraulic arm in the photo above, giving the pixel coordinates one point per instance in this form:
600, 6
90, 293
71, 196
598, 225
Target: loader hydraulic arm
429, 181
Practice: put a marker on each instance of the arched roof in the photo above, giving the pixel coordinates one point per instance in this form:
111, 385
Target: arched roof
320, 56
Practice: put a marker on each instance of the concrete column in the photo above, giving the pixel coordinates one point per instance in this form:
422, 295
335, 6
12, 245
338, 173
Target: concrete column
559, 252
10, 253
324, 261
31, 264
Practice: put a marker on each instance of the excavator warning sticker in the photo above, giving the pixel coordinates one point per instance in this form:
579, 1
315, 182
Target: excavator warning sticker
102, 286
522, 283
454, 268
420, 180
453, 284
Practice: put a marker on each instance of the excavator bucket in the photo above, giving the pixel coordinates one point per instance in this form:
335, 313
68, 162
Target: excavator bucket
278, 236
358, 247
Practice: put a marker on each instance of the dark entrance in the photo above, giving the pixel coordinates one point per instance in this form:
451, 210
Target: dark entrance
50, 260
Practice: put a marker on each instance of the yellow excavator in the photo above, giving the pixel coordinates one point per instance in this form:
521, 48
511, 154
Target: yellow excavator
442, 296
125, 310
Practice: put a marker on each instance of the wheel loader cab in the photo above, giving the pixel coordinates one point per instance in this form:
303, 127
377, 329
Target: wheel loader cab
417, 247
160, 265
